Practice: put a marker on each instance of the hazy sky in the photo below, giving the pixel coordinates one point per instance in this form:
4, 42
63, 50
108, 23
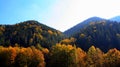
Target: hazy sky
59, 14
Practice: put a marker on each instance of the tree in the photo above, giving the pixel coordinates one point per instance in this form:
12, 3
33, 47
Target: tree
7, 56
80, 58
29, 57
62, 56
112, 58
94, 57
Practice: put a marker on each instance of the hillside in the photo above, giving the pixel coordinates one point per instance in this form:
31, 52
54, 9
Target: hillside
29, 33
83, 24
90, 46
103, 34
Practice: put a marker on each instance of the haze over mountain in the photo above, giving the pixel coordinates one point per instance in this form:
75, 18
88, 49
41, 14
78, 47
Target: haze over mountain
116, 18
51, 12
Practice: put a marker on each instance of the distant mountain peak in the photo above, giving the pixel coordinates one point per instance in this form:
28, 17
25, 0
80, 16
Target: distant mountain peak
116, 18
94, 17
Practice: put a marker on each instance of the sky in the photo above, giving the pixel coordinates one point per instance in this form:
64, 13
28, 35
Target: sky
58, 14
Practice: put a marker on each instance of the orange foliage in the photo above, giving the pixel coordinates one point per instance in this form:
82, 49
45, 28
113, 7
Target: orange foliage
11, 56
68, 41
50, 32
38, 56
59, 56
45, 50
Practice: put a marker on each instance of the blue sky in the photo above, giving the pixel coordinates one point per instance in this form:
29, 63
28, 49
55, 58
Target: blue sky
59, 14
14, 11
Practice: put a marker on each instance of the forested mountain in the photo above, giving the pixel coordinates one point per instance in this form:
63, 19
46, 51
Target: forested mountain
29, 33
90, 46
102, 34
83, 24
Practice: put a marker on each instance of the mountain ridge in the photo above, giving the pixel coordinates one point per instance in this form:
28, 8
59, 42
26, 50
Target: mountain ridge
82, 24
104, 35
29, 33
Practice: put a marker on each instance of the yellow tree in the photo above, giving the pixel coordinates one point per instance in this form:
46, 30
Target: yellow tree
112, 58
62, 56
7, 56
80, 58
94, 57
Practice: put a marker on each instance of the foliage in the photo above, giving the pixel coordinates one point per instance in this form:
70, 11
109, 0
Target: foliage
102, 34
63, 55
26, 45
68, 41
60, 55
29, 33
21, 57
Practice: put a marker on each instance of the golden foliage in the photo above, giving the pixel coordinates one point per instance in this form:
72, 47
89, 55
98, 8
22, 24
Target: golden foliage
82, 35
50, 32
31, 40
13, 55
68, 41
45, 50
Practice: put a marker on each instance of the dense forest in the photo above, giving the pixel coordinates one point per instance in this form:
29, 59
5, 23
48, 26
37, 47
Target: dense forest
105, 35
60, 55
32, 44
29, 33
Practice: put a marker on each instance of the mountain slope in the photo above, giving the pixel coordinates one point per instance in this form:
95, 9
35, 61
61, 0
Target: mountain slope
117, 19
104, 35
77, 27
29, 33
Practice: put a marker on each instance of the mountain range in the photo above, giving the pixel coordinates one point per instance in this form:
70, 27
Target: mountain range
100, 32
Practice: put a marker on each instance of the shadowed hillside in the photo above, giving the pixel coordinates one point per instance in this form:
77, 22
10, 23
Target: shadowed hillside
29, 33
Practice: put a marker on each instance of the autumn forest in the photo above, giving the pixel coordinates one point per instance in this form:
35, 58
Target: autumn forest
32, 44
